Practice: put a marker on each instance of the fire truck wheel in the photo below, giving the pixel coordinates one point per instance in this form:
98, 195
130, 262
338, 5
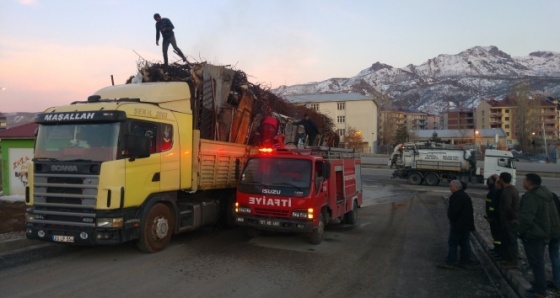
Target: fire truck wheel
415, 178
431, 179
252, 232
316, 236
228, 209
156, 230
352, 216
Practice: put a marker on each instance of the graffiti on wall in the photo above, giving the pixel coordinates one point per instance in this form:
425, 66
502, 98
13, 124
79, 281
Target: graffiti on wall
19, 158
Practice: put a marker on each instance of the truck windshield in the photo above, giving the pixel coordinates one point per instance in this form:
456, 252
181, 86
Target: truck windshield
84, 141
278, 176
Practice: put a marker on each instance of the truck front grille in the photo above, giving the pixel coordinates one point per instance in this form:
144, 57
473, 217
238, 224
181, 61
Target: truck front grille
66, 190
272, 212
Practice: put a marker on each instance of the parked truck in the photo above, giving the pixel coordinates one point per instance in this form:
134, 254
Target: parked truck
430, 165
299, 190
139, 162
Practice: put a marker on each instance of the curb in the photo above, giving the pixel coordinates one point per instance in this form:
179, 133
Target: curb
17, 243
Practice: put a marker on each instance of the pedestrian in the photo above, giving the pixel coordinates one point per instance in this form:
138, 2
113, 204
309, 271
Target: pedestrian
538, 223
165, 27
310, 128
491, 214
461, 220
508, 209
554, 252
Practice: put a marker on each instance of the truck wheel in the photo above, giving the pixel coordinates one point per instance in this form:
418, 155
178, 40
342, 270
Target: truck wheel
431, 179
156, 230
227, 218
352, 216
415, 178
316, 236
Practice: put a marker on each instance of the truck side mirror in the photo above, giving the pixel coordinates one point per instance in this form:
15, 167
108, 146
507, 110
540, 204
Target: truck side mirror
137, 146
326, 170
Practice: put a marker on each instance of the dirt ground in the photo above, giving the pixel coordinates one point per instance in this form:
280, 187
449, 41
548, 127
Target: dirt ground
12, 217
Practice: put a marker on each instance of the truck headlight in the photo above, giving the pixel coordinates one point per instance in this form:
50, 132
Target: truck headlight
241, 209
303, 214
110, 222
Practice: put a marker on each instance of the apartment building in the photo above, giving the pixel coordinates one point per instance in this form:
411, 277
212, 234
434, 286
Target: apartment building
458, 119
391, 118
545, 119
345, 110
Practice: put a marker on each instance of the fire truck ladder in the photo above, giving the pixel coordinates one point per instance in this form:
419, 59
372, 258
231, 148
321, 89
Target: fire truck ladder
327, 152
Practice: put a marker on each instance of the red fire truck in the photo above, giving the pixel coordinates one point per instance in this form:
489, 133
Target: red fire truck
299, 190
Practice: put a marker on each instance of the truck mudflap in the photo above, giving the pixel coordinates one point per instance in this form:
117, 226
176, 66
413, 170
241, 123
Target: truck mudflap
81, 236
275, 224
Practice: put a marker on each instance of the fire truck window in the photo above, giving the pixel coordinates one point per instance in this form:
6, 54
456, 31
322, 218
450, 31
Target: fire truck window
318, 175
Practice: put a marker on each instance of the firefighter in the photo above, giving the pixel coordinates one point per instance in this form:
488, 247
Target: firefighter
492, 212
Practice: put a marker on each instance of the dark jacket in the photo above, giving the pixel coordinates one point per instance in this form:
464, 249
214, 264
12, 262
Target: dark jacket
492, 204
460, 212
509, 204
538, 217
309, 125
165, 27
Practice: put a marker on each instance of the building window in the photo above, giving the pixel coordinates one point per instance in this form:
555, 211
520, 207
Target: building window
341, 119
507, 111
341, 132
341, 105
507, 118
507, 133
506, 126
314, 107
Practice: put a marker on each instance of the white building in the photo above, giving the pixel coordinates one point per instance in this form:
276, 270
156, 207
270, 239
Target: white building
346, 110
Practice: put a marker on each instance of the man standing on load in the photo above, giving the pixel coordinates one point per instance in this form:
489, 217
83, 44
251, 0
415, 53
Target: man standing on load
165, 26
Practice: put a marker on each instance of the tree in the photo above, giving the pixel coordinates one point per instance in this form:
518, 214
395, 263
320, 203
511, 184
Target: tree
353, 139
401, 134
526, 114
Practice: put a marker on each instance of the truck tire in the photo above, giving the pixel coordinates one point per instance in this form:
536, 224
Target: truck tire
316, 236
415, 178
352, 216
156, 229
431, 179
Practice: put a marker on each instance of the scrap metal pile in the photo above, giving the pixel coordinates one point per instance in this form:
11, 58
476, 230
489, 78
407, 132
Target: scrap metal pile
226, 106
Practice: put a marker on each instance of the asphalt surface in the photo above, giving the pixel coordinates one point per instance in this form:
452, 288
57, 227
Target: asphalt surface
16, 241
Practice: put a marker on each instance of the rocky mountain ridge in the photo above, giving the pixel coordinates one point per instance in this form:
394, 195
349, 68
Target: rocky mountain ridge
446, 81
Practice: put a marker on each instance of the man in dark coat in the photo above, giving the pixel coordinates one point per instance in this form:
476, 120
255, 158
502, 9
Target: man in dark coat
165, 27
310, 128
508, 209
538, 223
461, 220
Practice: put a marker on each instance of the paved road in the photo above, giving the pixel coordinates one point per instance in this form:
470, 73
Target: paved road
391, 252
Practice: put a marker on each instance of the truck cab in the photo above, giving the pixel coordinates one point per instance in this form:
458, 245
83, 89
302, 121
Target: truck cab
498, 161
299, 190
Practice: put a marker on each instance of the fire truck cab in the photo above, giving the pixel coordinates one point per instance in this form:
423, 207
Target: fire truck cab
299, 190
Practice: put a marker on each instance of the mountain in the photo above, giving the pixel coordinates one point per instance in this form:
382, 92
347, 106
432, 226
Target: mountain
460, 80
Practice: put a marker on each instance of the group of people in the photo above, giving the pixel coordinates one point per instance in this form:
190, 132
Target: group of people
534, 219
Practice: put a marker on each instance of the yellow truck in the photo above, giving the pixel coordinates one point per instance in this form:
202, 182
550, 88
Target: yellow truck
139, 162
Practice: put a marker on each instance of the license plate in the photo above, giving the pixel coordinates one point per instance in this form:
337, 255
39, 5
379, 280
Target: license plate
60, 238
269, 222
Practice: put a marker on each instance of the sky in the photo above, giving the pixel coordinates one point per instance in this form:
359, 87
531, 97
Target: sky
53, 52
